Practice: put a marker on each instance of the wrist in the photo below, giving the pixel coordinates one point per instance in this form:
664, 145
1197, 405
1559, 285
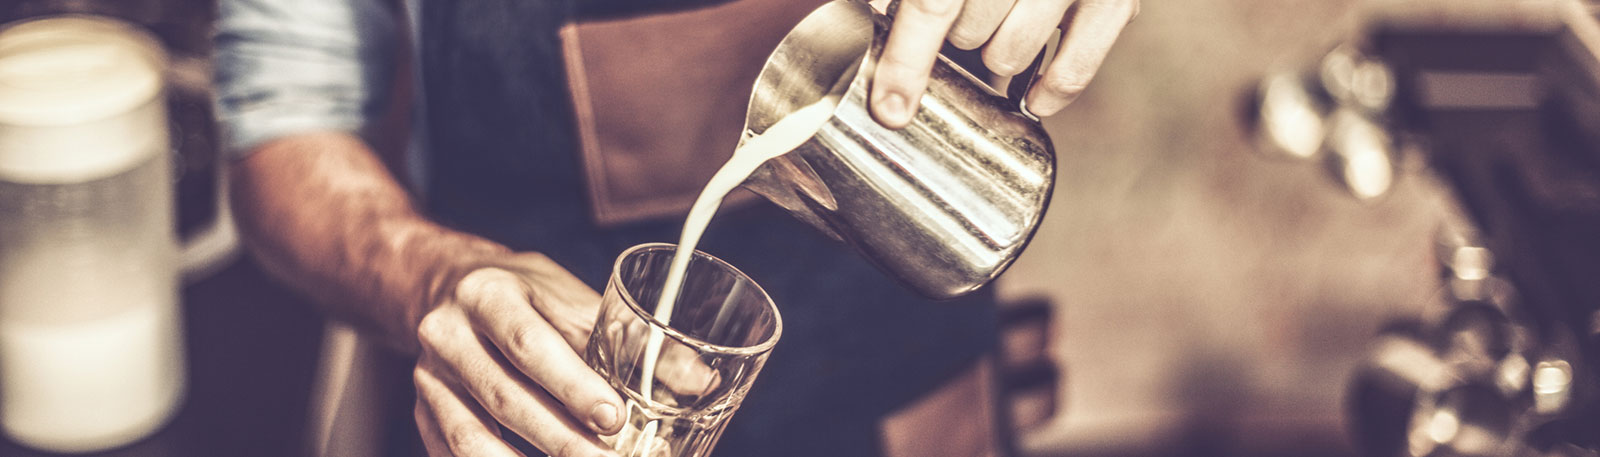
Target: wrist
441, 257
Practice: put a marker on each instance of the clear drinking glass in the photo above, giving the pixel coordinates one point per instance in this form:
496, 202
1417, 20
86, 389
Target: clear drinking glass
682, 376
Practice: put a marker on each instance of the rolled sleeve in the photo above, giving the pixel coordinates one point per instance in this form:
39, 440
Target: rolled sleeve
293, 66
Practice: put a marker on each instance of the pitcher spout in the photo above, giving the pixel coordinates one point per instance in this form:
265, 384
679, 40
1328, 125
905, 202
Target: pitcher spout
795, 187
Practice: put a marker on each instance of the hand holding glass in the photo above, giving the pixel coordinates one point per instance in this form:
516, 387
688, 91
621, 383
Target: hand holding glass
682, 376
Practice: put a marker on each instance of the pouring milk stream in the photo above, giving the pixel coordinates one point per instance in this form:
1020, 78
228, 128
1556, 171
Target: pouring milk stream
943, 205
789, 133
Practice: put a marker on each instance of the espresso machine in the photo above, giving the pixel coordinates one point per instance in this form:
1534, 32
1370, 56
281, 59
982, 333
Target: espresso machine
1501, 102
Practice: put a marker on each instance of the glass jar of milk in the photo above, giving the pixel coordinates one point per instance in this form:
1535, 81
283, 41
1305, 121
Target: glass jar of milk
90, 337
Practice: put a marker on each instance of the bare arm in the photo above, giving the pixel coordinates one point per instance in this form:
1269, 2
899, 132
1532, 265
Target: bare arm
320, 211
497, 334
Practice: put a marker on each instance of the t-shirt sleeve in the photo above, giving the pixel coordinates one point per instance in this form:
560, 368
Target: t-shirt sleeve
291, 66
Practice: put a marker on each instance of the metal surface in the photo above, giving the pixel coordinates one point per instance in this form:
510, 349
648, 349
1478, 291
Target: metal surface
1507, 104
945, 204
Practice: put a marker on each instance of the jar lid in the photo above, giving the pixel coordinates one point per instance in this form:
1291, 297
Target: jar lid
65, 70
72, 89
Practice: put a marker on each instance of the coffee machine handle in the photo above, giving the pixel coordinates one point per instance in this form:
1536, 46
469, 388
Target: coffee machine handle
216, 244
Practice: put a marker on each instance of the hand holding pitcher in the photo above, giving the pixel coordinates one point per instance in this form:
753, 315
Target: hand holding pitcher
1011, 33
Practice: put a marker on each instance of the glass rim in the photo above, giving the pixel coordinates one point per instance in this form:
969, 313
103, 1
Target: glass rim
674, 333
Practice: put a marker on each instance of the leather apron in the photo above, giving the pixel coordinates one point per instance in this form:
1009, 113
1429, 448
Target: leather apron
656, 103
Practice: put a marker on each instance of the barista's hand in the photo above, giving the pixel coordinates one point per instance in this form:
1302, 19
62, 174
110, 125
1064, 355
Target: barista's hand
1011, 32
502, 348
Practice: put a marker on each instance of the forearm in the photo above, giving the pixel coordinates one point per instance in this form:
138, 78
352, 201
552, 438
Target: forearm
320, 212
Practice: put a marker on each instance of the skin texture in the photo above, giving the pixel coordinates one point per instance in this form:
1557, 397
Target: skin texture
1010, 32
497, 333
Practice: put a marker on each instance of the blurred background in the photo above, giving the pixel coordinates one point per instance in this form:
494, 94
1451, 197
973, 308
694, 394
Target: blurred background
1269, 215
1211, 296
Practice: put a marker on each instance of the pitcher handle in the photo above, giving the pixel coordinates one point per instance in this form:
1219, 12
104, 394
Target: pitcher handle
1015, 92
217, 244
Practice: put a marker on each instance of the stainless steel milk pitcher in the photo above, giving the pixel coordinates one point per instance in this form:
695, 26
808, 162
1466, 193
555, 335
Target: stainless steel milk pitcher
945, 204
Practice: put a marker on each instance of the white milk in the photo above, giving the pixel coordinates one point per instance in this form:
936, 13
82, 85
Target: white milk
92, 385
91, 345
785, 135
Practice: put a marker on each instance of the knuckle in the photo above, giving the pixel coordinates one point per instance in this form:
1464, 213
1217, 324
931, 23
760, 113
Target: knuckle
499, 398
894, 66
418, 377
462, 440
482, 281
432, 329
525, 342
937, 8
966, 40
1126, 9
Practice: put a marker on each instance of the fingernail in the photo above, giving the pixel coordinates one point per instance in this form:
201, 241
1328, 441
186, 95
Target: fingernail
893, 110
604, 416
